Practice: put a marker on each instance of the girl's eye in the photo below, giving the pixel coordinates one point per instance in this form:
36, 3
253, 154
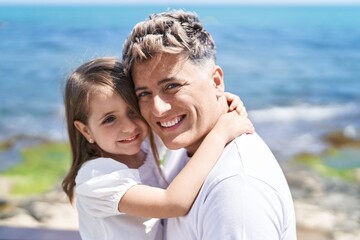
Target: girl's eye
109, 119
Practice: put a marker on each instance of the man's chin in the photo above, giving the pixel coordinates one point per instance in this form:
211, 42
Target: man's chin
176, 144
173, 146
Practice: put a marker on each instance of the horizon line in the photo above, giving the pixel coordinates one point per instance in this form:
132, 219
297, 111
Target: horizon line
178, 2
185, 4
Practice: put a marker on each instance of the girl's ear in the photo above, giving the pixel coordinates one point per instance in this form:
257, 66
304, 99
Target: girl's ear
84, 130
218, 81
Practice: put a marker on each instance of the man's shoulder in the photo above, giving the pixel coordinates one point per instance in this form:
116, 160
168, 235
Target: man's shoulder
239, 151
228, 165
246, 157
252, 143
257, 159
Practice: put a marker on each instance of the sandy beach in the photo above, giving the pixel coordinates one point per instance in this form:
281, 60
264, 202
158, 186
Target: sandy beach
325, 210
327, 207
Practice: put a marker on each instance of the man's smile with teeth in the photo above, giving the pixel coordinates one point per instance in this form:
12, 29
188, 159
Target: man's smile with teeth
171, 123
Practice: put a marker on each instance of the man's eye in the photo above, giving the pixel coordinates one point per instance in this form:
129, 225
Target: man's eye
142, 94
109, 119
172, 85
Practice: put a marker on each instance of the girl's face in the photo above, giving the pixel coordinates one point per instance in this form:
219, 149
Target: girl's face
112, 125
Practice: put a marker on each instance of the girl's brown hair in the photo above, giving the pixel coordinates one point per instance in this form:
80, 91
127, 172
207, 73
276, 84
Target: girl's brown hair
80, 86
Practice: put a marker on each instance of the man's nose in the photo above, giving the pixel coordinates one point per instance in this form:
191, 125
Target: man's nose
160, 106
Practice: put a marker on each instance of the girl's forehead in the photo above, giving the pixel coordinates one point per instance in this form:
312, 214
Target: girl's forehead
106, 98
100, 95
103, 89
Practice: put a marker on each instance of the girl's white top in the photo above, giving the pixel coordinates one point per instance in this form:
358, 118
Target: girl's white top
100, 184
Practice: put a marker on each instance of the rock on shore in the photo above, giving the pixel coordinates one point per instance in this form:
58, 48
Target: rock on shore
51, 210
325, 206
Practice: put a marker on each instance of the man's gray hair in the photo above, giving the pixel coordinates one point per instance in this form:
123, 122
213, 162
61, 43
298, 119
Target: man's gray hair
173, 32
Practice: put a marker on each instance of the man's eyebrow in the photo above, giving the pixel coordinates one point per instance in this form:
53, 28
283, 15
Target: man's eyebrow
140, 88
165, 80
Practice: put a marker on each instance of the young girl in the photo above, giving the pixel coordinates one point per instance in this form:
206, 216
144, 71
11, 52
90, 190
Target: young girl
112, 158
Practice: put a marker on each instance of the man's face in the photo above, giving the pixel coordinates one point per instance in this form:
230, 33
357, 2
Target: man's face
178, 99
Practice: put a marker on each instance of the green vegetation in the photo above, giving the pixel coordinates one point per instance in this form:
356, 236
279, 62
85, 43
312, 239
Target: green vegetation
340, 163
42, 167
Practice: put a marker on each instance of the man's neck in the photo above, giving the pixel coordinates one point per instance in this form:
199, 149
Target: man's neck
190, 150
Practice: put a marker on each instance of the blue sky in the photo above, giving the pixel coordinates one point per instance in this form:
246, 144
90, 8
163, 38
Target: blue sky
183, 1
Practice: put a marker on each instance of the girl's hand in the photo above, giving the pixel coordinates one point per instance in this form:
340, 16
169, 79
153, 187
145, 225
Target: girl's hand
236, 104
231, 125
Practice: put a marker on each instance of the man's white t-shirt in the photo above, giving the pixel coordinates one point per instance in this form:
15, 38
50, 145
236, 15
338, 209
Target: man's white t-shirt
100, 184
245, 196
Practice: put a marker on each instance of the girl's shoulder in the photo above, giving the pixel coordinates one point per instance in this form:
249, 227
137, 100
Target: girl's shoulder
98, 167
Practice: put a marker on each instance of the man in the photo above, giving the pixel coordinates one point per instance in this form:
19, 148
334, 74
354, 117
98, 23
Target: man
171, 59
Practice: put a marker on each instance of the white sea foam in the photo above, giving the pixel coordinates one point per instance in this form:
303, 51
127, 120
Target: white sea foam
310, 113
51, 126
294, 129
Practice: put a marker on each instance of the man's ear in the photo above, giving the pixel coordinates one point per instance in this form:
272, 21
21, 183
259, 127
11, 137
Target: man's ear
84, 130
218, 81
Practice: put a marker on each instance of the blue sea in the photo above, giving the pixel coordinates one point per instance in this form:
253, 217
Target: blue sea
297, 68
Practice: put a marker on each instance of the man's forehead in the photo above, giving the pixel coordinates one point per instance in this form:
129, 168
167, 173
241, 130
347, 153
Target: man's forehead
161, 60
159, 66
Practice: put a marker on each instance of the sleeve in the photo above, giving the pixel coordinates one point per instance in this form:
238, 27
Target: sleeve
250, 210
101, 195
